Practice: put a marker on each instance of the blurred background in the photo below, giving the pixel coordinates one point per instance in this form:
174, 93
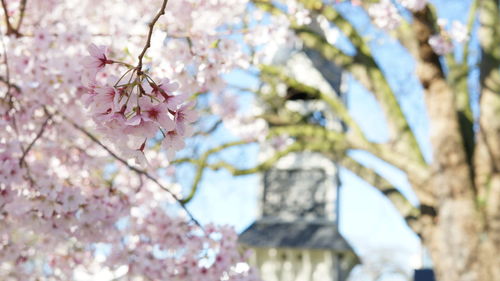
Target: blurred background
386, 247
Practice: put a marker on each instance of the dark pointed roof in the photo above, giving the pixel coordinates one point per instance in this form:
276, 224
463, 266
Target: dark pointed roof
297, 234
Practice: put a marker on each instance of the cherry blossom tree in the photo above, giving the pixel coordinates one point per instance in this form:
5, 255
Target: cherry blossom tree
88, 88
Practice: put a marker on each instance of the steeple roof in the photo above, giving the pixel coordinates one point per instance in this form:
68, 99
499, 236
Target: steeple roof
295, 234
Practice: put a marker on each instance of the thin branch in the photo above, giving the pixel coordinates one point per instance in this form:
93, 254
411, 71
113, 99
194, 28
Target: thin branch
150, 33
331, 100
362, 66
365, 69
295, 147
400, 202
202, 163
211, 129
10, 29
332, 140
132, 168
38, 136
470, 25
10, 85
22, 10
318, 140
7, 71
4, 80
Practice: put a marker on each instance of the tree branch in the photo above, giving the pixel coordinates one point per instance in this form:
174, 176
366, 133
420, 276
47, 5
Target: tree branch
409, 212
489, 35
364, 68
458, 75
10, 29
366, 71
22, 10
38, 136
450, 157
150, 33
201, 164
487, 157
333, 101
7, 72
130, 167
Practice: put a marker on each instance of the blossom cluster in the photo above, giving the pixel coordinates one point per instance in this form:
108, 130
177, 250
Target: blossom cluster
245, 126
62, 190
386, 15
413, 5
442, 43
135, 106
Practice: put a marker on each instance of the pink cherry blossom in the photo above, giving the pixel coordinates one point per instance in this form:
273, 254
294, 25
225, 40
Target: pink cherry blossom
385, 15
42, 39
413, 5
443, 43
173, 142
185, 115
166, 91
71, 199
97, 59
158, 113
440, 44
459, 32
104, 100
111, 123
139, 125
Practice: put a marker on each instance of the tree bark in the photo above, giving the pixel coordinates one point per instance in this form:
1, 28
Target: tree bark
461, 246
460, 237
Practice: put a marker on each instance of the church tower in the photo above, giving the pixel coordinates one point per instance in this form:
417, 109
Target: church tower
296, 237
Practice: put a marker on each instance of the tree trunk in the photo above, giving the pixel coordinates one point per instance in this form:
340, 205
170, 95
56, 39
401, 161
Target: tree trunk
460, 234
462, 246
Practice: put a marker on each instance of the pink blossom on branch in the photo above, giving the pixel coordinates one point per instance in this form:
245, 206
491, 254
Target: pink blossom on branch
173, 142
97, 59
443, 43
62, 187
413, 5
158, 113
385, 15
458, 32
139, 107
185, 115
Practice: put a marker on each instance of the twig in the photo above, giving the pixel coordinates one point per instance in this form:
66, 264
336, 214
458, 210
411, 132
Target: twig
470, 25
7, 72
8, 99
150, 33
210, 130
22, 9
10, 29
202, 163
38, 136
132, 168
4, 80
